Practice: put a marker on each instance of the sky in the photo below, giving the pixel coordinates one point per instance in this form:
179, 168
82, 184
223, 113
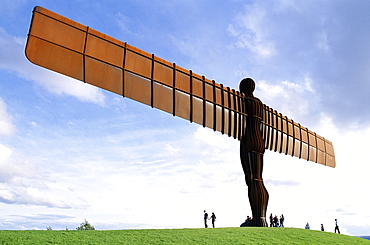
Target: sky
70, 151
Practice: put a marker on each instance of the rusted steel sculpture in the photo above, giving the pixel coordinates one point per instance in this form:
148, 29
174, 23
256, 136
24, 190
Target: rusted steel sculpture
75, 50
252, 148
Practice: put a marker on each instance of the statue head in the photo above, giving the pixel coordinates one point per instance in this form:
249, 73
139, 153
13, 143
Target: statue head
247, 86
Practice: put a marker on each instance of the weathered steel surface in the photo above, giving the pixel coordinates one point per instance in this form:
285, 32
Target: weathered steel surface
252, 148
75, 50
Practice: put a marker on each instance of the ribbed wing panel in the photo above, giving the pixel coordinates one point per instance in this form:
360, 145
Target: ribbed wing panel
75, 50
286, 136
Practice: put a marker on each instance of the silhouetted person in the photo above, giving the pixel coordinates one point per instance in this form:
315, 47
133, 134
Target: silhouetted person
205, 219
271, 220
252, 148
336, 227
282, 220
213, 218
247, 222
322, 227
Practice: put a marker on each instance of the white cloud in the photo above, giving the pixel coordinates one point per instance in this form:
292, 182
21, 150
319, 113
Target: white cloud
5, 152
23, 182
7, 127
210, 137
250, 35
294, 100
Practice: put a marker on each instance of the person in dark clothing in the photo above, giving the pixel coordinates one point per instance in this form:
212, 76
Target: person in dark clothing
282, 220
276, 221
271, 220
322, 227
247, 222
205, 219
213, 218
336, 227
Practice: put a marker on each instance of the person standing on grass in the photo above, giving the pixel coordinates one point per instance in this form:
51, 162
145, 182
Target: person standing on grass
276, 221
282, 220
336, 227
322, 227
205, 219
213, 218
271, 220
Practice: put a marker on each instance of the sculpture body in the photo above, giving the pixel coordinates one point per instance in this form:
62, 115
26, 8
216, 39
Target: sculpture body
252, 148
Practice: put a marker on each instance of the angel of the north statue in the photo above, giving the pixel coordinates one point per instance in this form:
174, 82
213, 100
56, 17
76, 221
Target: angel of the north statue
75, 50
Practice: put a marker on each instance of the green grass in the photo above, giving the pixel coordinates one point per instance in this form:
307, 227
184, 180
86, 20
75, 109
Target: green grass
180, 236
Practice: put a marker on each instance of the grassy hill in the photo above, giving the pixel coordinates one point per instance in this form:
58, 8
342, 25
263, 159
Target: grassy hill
180, 236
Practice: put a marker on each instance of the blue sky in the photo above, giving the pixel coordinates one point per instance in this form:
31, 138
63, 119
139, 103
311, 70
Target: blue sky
70, 151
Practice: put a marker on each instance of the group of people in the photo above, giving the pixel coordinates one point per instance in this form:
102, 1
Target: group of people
322, 227
213, 218
276, 222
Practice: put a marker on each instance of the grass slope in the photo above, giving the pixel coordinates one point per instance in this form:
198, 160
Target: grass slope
180, 236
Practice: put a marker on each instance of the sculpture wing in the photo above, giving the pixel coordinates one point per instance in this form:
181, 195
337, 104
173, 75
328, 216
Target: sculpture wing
286, 136
75, 50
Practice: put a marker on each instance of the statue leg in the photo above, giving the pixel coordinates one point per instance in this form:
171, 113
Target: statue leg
258, 196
